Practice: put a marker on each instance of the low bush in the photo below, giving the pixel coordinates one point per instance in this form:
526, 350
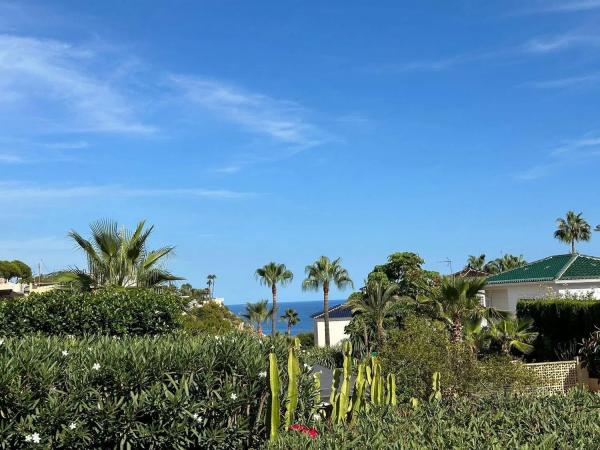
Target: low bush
423, 347
114, 311
210, 318
306, 339
171, 392
330, 357
559, 321
499, 422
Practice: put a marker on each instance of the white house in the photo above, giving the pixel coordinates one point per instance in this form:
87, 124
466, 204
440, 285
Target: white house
571, 274
339, 317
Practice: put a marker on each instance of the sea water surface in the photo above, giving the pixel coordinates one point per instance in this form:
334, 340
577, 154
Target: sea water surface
304, 309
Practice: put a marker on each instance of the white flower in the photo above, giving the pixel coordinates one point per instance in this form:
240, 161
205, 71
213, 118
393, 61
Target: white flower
197, 417
90, 349
317, 416
184, 313
233, 396
72, 425
156, 311
1, 341
35, 437
263, 374
96, 366
272, 347
28, 438
65, 353
307, 367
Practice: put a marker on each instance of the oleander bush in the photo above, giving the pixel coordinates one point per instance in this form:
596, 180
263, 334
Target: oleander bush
307, 339
330, 357
423, 347
210, 318
559, 321
172, 392
499, 422
111, 311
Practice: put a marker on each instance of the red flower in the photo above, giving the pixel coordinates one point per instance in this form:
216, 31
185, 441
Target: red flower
311, 432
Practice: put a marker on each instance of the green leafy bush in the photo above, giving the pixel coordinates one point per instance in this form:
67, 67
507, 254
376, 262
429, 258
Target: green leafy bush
211, 318
422, 347
306, 339
172, 392
330, 357
115, 311
499, 422
559, 321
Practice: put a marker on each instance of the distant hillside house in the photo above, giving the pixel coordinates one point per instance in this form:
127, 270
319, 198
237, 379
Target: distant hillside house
555, 275
339, 317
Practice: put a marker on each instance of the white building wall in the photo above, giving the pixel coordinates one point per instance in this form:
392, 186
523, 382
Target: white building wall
336, 331
505, 297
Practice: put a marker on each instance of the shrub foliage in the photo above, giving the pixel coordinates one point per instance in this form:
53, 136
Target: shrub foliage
170, 392
500, 422
115, 311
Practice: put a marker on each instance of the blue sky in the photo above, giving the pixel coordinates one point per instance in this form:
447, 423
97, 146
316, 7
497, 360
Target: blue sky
282, 130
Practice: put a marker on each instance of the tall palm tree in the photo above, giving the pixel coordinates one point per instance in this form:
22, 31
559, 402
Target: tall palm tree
118, 257
512, 333
211, 284
377, 303
459, 302
507, 262
271, 275
321, 274
571, 229
257, 313
291, 317
476, 262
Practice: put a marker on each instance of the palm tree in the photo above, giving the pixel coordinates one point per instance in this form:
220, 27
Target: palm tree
459, 302
507, 262
476, 262
377, 303
257, 313
513, 333
117, 257
211, 284
291, 317
270, 275
321, 274
476, 336
571, 229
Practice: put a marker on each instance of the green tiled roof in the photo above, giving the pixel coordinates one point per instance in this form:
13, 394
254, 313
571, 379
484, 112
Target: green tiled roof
558, 267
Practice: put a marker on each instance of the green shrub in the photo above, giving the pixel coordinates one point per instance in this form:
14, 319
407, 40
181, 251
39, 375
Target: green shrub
423, 347
115, 311
211, 318
172, 392
306, 339
330, 357
499, 422
559, 321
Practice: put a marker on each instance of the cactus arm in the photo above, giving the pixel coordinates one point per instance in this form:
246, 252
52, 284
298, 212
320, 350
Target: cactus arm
292, 392
275, 404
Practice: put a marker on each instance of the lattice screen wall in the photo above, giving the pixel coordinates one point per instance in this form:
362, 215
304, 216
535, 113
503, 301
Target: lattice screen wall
555, 377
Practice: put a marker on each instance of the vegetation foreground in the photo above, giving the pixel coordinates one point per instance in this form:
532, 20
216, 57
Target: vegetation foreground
181, 391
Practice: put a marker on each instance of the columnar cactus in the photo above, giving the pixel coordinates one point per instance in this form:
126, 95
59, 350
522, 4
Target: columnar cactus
377, 384
436, 390
292, 391
275, 404
343, 398
391, 390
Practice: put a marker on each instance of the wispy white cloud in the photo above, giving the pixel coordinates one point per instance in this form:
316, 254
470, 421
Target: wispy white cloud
281, 120
19, 191
566, 6
228, 170
567, 82
73, 145
570, 152
76, 95
561, 42
9, 158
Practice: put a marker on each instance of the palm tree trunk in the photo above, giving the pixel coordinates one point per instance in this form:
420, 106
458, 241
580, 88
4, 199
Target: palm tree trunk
259, 329
366, 338
274, 312
456, 330
326, 313
573, 246
380, 334
289, 329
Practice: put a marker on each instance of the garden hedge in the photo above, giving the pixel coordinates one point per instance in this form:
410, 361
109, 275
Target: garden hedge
115, 311
169, 392
559, 321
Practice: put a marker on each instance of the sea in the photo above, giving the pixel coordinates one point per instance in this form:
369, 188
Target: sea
304, 309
